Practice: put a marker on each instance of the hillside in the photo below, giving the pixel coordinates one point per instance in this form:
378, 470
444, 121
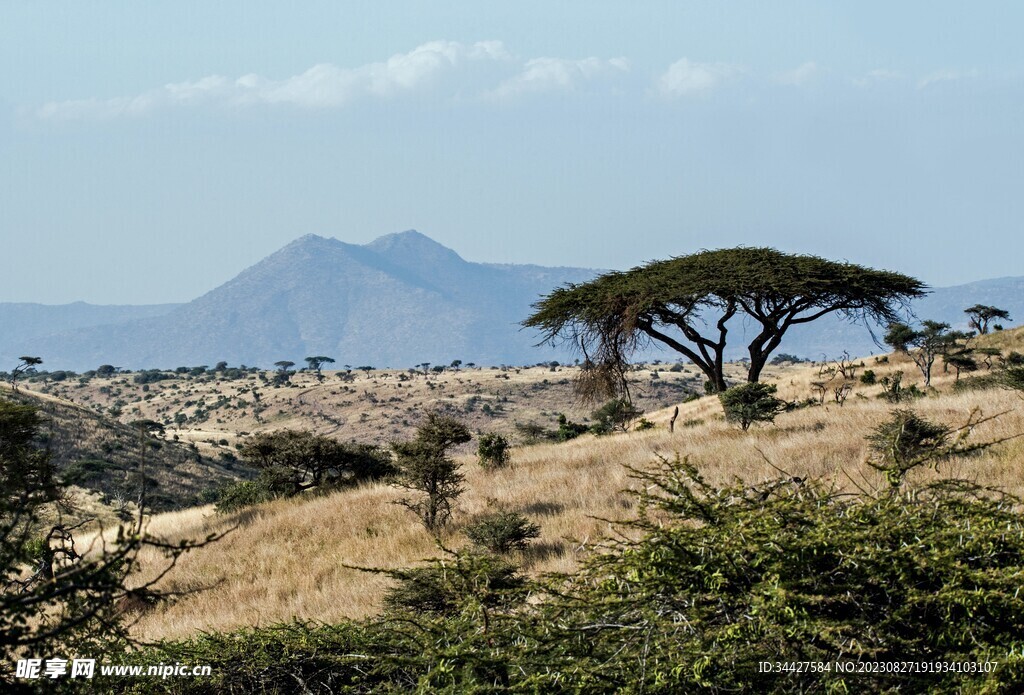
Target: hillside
104, 459
370, 406
288, 555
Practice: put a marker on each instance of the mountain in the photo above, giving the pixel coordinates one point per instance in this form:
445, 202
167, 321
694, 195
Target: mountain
401, 300
398, 301
23, 324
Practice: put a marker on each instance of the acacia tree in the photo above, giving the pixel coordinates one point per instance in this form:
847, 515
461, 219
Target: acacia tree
316, 364
924, 345
980, 314
686, 303
27, 362
292, 461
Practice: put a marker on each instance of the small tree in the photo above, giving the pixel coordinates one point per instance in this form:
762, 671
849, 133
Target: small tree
907, 441
425, 467
924, 345
961, 361
980, 314
27, 363
316, 363
686, 304
750, 403
493, 450
291, 461
283, 376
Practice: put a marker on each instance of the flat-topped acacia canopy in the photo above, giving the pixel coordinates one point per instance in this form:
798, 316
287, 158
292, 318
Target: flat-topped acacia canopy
669, 301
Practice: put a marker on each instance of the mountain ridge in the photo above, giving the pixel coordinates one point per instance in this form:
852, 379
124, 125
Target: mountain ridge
399, 300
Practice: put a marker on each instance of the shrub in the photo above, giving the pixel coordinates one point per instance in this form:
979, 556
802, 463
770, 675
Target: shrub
616, 414
785, 358
749, 403
868, 378
502, 532
244, 493
443, 587
493, 450
567, 429
644, 424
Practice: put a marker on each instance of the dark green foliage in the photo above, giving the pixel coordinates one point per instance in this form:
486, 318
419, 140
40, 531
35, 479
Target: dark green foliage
151, 377
962, 361
685, 303
616, 414
894, 391
1012, 377
868, 378
905, 441
493, 450
424, 467
567, 429
981, 314
502, 531
749, 403
644, 424
785, 358
297, 460
244, 493
1014, 359
443, 587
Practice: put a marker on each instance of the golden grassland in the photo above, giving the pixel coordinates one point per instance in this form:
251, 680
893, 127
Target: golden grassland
287, 559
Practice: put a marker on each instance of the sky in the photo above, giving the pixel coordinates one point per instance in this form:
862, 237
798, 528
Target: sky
150, 152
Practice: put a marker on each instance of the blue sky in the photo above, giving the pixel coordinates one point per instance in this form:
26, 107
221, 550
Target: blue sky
149, 153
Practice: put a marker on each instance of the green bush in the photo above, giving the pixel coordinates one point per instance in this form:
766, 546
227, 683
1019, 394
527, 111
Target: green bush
567, 429
245, 493
502, 532
868, 378
493, 450
749, 403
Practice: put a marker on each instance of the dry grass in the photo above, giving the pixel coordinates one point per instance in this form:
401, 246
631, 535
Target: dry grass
287, 559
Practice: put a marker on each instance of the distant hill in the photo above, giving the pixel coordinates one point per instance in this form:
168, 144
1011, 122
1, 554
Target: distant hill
23, 324
401, 300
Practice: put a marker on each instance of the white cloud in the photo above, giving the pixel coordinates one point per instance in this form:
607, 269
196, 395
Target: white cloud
322, 86
878, 75
946, 76
684, 77
800, 75
557, 74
